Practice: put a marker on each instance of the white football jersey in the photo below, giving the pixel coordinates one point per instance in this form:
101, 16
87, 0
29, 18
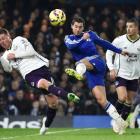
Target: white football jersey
127, 67
27, 59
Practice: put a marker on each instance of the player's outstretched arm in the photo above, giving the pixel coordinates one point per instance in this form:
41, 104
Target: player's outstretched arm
103, 43
72, 43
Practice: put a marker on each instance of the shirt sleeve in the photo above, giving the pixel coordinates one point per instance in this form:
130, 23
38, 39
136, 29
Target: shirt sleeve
103, 43
23, 48
72, 43
110, 54
109, 59
5, 63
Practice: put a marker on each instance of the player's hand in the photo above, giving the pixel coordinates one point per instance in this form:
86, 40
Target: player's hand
124, 53
11, 56
113, 75
85, 36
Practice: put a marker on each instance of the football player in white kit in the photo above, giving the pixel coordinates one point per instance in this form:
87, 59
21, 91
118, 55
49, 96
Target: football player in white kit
19, 54
125, 70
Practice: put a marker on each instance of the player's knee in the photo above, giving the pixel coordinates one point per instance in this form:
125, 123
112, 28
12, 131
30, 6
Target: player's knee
101, 101
43, 83
128, 101
122, 98
88, 65
52, 101
53, 105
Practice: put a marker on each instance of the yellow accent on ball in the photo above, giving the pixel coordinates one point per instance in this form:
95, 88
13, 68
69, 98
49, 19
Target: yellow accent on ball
57, 17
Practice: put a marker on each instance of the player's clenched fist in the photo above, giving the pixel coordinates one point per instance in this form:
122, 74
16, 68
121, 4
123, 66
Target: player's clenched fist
11, 56
85, 36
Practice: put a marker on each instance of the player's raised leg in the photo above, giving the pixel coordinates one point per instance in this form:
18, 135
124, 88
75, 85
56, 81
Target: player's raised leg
60, 92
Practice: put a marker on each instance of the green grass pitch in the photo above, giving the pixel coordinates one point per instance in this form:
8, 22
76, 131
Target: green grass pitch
68, 134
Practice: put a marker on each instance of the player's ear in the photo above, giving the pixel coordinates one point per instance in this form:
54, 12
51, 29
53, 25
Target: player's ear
72, 25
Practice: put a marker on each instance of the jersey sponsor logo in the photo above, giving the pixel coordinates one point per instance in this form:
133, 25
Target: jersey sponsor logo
132, 57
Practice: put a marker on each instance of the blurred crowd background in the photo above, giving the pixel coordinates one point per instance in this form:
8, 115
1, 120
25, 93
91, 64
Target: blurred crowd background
29, 18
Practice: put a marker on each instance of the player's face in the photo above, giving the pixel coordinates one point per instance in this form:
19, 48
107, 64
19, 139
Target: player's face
5, 41
77, 28
131, 28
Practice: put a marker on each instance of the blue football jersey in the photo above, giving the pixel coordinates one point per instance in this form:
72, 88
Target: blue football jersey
81, 48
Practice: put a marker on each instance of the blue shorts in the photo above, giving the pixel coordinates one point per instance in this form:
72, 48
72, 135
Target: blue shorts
96, 77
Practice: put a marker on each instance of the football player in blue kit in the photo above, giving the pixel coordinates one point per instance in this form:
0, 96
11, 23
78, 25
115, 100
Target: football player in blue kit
82, 46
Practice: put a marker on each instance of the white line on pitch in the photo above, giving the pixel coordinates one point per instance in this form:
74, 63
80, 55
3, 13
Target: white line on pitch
48, 133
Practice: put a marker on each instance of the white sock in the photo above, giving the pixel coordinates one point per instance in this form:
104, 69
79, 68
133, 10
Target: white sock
112, 112
81, 68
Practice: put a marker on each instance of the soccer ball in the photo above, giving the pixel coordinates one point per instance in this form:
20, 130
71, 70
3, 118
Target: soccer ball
57, 17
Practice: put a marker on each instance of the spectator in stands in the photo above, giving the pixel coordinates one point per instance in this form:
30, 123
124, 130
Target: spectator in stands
120, 28
35, 109
23, 105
